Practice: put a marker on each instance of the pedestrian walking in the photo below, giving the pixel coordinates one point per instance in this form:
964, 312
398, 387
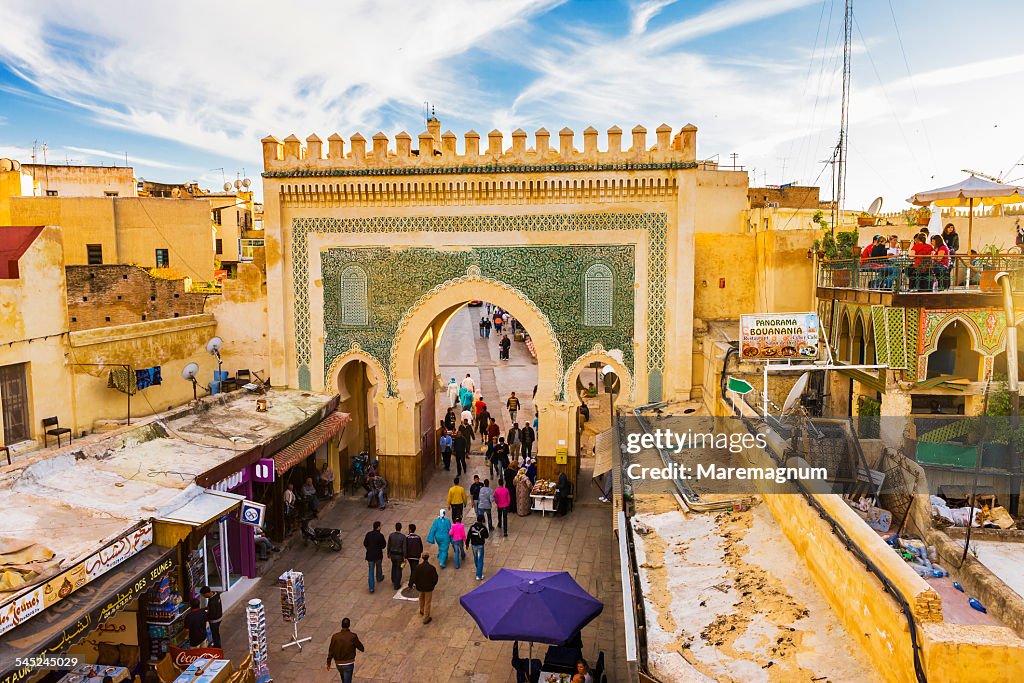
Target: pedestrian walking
485, 503
450, 420
477, 535
466, 399
482, 422
513, 406
456, 498
439, 535
447, 446
374, 542
514, 439
458, 535
523, 488
481, 326
505, 344
467, 418
479, 405
460, 448
474, 493
342, 651
527, 436
413, 550
425, 581
214, 613
487, 328
503, 500
494, 431
453, 391
396, 553
468, 384
497, 323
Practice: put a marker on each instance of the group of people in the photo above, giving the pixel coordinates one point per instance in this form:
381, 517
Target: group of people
318, 485
931, 263
503, 325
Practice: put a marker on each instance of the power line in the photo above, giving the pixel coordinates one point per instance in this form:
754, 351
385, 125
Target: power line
913, 88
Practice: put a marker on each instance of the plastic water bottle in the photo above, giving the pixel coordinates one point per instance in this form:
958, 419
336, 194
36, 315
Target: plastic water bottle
942, 570
960, 588
977, 605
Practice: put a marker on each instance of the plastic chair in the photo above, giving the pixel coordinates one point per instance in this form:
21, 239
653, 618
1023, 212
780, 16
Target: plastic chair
57, 430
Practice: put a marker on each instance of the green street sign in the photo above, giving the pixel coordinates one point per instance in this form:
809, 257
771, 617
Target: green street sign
740, 386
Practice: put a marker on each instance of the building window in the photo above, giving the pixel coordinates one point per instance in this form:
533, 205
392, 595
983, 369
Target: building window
95, 254
216, 216
598, 285
220, 246
162, 258
354, 304
51, 193
110, 193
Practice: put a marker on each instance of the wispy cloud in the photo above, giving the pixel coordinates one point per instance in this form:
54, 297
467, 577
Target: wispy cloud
122, 156
644, 11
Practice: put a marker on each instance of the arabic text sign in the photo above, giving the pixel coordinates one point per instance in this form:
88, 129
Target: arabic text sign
774, 336
31, 603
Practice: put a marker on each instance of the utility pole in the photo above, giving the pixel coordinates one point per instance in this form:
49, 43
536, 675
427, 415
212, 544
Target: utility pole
839, 188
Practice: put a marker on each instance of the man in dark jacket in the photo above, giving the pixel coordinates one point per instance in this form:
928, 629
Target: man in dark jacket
475, 540
396, 553
467, 432
461, 446
342, 651
425, 581
195, 624
413, 550
214, 613
374, 543
527, 436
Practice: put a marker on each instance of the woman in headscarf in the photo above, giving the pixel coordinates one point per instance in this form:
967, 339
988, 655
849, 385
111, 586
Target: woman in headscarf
450, 420
531, 471
523, 488
562, 492
440, 533
466, 398
453, 392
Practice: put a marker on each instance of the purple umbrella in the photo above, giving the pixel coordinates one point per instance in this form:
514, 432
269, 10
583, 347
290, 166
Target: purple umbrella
539, 607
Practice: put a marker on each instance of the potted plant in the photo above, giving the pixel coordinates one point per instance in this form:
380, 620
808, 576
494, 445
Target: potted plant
923, 215
987, 280
838, 247
1001, 439
865, 219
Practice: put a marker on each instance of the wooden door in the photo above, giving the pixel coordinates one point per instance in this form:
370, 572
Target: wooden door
14, 403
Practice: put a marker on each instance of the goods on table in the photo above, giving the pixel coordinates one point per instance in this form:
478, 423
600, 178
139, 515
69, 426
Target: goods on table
256, 622
543, 487
293, 596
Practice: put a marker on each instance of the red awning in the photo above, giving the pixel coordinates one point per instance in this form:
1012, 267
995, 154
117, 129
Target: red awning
294, 453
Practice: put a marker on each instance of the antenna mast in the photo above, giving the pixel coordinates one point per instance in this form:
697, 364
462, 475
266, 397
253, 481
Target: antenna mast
839, 189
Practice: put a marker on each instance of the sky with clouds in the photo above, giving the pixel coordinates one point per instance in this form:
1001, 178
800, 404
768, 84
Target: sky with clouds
188, 92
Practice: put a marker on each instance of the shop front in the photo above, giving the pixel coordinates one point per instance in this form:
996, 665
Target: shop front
95, 617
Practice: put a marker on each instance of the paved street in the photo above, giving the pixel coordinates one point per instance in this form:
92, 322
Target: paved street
451, 648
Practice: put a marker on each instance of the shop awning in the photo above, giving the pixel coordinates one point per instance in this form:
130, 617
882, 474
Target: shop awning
604, 442
74, 618
291, 455
204, 508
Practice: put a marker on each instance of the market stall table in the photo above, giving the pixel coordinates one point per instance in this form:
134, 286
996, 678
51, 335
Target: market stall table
552, 677
94, 673
542, 497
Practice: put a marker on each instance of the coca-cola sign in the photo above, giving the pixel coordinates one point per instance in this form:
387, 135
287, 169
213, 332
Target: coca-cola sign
183, 658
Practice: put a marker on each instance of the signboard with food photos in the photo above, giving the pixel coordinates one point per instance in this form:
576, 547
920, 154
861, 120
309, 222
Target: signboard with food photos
779, 336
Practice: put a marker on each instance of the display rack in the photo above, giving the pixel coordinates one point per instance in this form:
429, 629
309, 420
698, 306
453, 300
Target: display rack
256, 623
293, 604
164, 622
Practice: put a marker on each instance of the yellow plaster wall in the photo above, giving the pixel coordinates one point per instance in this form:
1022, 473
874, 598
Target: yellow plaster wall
130, 229
82, 181
722, 199
171, 344
961, 654
241, 313
729, 256
784, 273
10, 186
31, 307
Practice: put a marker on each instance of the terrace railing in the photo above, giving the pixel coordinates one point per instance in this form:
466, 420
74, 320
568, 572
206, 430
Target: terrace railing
918, 274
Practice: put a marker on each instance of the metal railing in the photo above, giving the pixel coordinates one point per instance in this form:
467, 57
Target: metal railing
915, 274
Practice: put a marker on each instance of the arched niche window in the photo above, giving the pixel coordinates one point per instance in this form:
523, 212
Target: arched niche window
598, 285
355, 308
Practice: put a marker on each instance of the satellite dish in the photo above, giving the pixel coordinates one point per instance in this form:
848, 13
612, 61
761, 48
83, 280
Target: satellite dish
6, 165
794, 394
875, 207
189, 372
238, 183
227, 187
17, 164
214, 346
246, 182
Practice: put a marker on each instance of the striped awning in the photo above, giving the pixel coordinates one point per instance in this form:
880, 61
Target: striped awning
294, 453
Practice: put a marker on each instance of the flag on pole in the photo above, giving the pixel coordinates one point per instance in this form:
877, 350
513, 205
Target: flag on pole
739, 386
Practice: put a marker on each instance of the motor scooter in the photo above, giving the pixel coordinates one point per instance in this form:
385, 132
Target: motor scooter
321, 535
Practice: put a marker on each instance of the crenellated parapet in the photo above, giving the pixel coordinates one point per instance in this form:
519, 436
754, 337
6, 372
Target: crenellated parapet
436, 150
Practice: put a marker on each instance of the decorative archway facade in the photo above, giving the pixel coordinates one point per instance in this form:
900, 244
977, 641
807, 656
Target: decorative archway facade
369, 251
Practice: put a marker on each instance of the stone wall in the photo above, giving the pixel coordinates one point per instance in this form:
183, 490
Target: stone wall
104, 296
